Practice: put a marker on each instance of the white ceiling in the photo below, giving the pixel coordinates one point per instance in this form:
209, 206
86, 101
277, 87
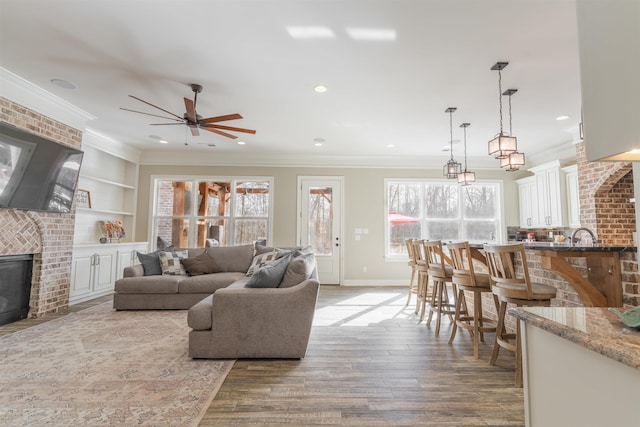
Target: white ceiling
380, 92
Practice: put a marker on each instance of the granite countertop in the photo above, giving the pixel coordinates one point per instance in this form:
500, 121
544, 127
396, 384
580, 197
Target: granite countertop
594, 328
565, 247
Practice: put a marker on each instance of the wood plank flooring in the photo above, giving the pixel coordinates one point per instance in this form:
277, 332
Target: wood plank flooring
369, 363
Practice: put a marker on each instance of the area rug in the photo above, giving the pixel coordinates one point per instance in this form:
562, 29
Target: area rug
104, 367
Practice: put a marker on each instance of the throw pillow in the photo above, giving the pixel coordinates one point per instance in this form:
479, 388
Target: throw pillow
260, 261
151, 262
299, 269
163, 245
270, 275
201, 264
170, 263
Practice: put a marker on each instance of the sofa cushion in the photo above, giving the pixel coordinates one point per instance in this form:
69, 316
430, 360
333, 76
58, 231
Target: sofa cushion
270, 275
261, 260
207, 283
201, 264
170, 263
151, 263
199, 316
299, 269
148, 285
231, 258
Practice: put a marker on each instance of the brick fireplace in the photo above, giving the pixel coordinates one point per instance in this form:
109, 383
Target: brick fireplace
48, 236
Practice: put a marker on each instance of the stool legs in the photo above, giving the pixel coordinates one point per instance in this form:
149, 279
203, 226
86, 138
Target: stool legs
476, 323
440, 303
412, 289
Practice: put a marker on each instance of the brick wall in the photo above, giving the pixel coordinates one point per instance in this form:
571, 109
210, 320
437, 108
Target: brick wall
49, 236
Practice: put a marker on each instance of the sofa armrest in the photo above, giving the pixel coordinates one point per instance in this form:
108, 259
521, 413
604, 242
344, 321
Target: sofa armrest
280, 318
133, 271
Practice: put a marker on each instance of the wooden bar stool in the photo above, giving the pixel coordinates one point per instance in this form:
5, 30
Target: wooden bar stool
468, 280
423, 293
413, 289
511, 289
440, 275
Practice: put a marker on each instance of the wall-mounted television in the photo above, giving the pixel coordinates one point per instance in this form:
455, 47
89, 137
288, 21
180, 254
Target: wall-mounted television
36, 173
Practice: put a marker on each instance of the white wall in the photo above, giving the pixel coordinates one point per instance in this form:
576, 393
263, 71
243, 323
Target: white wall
363, 208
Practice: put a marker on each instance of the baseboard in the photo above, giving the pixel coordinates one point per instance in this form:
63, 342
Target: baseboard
374, 283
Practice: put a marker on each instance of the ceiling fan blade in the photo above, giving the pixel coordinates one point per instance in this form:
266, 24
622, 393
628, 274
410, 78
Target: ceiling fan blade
191, 109
153, 115
155, 106
219, 132
229, 128
221, 118
194, 131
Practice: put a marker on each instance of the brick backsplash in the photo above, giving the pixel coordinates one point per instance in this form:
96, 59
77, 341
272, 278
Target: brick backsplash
49, 236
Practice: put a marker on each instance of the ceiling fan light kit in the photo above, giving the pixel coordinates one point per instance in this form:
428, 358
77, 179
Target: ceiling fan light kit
192, 119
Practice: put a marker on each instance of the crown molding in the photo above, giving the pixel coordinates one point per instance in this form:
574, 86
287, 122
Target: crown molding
111, 146
25, 93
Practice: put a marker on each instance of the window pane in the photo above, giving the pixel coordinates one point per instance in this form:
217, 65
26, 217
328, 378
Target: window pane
321, 219
479, 231
211, 230
441, 201
479, 201
252, 198
405, 199
249, 230
173, 230
443, 230
174, 198
401, 232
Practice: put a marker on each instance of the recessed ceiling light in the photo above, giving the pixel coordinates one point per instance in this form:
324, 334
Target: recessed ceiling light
63, 84
241, 143
562, 118
377, 34
311, 32
318, 144
320, 89
162, 141
390, 145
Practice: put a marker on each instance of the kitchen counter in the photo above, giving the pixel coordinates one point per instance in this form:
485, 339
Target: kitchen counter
581, 367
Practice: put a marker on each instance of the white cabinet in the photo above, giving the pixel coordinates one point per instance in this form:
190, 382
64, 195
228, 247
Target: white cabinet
550, 187
573, 196
528, 195
95, 268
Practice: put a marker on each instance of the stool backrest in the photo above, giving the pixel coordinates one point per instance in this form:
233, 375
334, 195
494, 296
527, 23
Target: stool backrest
417, 251
501, 263
434, 257
410, 251
462, 264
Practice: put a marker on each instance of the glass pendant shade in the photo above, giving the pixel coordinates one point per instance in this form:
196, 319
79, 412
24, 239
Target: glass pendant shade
512, 162
466, 178
452, 169
502, 146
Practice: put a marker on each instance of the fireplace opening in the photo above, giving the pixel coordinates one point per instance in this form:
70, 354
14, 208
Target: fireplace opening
15, 287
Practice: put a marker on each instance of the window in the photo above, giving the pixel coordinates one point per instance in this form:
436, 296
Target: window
211, 211
440, 210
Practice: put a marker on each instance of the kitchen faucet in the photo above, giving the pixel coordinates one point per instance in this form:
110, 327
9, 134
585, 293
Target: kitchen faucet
573, 239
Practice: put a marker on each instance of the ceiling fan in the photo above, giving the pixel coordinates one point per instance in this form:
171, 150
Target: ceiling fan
193, 120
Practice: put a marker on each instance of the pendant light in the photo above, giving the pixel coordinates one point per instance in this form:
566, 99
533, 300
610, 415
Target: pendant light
466, 177
452, 169
514, 160
502, 145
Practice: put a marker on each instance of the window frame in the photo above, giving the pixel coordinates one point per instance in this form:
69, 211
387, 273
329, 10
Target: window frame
193, 217
500, 233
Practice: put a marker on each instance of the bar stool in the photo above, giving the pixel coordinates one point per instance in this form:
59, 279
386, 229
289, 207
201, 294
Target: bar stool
509, 288
413, 289
423, 292
440, 275
467, 279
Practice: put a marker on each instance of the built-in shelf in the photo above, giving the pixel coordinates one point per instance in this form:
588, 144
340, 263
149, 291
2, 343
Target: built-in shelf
103, 211
109, 182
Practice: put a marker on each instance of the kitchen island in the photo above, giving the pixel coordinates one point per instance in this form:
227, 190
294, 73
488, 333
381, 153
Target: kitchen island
581, 367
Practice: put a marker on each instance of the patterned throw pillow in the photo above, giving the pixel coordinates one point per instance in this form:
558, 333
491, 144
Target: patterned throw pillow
261, 260
170, 262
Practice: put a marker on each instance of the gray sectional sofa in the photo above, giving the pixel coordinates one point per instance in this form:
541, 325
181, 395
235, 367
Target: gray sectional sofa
267, 314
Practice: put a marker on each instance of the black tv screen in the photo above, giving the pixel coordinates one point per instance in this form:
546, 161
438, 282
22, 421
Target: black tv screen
36, 173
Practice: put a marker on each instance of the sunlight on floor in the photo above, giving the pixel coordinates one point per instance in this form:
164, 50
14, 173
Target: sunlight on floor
365, 309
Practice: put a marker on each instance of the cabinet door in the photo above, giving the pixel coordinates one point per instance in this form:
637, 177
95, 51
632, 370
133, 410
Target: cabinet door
528, 203
554, 198
104, 275
573, 200
81, 275
125, 259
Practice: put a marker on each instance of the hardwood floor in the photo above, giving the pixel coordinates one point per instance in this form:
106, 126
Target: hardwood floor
369, 363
